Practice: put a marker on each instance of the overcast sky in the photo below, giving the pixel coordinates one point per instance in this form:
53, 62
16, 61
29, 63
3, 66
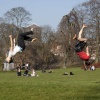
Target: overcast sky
44, 12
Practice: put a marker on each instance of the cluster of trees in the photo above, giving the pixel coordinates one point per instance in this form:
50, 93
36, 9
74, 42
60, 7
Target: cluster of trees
88, 13
39, 53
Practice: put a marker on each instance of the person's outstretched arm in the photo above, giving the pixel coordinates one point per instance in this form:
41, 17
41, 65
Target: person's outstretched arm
87, 51
8, 58
11, 43
14, 40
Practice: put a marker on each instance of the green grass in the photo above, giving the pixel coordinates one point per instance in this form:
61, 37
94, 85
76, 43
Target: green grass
84, 85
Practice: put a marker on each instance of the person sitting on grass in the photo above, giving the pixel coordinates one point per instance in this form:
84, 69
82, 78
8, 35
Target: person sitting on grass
26, 72
18, 71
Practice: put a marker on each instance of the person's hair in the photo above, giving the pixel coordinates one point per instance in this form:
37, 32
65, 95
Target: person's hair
88, 62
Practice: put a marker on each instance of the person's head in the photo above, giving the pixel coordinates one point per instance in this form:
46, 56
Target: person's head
88, 62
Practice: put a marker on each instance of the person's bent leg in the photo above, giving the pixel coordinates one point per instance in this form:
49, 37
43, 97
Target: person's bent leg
80, 34
26, 33
23, 36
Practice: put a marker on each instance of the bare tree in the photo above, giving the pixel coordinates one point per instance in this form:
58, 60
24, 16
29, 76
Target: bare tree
67, 28
47, 42
89, 13
18, 16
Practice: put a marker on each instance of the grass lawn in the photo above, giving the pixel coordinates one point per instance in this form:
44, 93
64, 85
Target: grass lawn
84, 85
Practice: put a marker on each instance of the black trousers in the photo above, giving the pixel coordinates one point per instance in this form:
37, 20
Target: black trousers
22, 37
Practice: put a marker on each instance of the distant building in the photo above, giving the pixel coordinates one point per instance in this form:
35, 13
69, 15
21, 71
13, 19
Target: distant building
36, 28
58, 50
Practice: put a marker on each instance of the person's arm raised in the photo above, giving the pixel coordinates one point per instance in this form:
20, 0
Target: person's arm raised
11, 43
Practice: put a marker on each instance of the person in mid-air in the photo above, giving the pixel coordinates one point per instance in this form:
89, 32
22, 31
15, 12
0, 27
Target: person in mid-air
14, 49
80, 45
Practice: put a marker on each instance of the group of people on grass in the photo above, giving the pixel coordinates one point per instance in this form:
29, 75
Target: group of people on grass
26, 71
81, 43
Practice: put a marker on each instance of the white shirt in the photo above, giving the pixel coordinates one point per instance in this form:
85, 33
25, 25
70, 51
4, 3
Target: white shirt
15, 50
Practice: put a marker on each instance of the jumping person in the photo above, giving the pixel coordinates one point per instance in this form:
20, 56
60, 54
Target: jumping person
80, 45
14, 49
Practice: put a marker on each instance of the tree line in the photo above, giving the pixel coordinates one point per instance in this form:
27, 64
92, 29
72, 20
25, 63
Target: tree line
45, 52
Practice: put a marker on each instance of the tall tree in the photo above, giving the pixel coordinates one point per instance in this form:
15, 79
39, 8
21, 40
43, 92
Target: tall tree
67, 28
89, 13
18, 16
